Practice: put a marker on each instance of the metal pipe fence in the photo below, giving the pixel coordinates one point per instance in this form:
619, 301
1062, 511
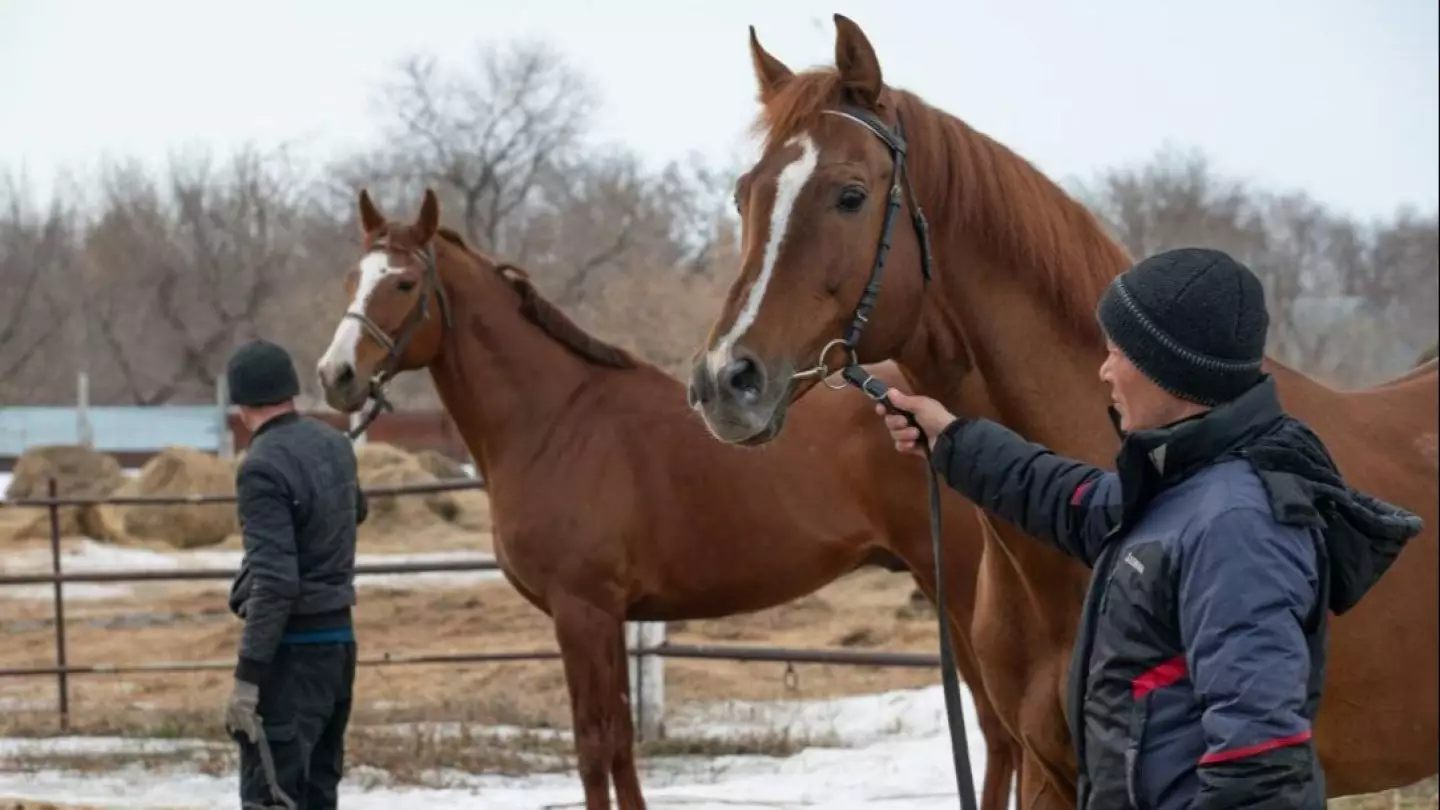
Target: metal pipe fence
62, 669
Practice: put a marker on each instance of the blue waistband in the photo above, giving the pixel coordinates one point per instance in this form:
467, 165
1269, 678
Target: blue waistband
330, 636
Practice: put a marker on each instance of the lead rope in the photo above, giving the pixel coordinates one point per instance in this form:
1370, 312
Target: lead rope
267, 767
876, 389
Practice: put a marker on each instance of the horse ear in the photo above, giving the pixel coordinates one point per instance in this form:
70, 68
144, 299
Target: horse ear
859, 67
770, 73
371, 220
429, 220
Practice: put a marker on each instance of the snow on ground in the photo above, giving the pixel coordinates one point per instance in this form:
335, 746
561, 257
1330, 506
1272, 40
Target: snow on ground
896, 755
88, 555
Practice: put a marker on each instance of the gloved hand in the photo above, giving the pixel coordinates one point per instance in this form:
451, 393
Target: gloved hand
240, 712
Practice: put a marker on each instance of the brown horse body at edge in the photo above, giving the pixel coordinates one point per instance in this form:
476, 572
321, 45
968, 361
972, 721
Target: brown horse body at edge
1019, 267
610, 501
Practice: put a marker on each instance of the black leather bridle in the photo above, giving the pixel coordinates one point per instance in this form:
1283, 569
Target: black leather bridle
395, 347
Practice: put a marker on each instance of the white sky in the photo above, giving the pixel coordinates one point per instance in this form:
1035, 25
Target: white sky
1336, 97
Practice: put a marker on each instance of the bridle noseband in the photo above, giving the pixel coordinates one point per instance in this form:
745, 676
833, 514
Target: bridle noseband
895, 141
395, 347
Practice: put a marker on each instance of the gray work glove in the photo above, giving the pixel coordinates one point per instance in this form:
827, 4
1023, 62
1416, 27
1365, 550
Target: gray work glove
240, 711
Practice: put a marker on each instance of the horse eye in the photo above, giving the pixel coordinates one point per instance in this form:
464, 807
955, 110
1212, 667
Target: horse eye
405, 285
851, 199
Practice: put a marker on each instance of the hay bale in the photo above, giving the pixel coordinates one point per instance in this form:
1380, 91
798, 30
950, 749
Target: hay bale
174, 472
385, 465
79, 472
441, 466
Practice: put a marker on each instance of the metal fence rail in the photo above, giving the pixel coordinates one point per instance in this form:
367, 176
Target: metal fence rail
62, 670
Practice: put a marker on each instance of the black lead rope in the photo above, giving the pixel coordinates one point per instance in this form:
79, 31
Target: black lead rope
954, 710
876, 389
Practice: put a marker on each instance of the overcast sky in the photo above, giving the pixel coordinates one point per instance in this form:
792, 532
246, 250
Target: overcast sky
1335, 97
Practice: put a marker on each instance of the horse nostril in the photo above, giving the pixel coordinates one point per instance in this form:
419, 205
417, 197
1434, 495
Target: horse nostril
743, 377
346, 375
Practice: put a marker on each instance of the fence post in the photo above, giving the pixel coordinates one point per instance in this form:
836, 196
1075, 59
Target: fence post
62, 677
647, 679
84, 430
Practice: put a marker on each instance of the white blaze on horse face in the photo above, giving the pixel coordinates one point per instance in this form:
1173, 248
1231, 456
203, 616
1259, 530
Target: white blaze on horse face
788, 185
373, 269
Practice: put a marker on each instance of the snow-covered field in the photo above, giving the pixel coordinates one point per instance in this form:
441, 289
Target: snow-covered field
895, 755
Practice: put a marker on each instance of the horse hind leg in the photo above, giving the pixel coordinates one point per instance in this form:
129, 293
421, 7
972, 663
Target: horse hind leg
622, 765
584, 633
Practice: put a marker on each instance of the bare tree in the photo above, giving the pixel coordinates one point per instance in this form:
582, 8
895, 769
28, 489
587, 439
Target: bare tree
179, 274
1348, 302
485, 137
35, 252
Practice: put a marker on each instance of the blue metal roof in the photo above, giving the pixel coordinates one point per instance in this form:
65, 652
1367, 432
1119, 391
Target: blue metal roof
115, 429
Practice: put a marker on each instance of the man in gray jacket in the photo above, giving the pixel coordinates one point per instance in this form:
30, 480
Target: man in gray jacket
299, 504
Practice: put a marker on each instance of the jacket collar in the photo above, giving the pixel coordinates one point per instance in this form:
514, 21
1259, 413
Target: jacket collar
275, 421
1152, 460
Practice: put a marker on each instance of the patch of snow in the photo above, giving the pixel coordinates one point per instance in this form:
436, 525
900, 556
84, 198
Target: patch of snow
897, 756
89, 555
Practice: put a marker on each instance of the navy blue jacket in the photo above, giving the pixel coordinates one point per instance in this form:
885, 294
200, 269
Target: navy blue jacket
1218, 544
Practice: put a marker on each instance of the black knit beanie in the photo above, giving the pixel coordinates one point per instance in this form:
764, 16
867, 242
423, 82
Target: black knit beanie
261, 373
1193, 320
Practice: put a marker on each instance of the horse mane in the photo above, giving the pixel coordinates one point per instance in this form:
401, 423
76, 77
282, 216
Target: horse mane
544, 314
1013, 211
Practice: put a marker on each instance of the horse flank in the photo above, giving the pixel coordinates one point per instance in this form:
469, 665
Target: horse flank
1016, 214
544, 314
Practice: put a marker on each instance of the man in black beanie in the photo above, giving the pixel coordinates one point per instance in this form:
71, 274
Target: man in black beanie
1218, 544
299, 504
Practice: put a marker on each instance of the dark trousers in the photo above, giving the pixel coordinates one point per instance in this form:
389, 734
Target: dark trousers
304, 709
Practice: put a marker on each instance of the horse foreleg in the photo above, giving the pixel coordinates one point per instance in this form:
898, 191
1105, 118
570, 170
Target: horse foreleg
622, 764
584, 633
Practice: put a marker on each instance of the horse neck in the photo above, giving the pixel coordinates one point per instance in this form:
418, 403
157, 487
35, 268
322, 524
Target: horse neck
990, 299
504, 382
1038, 362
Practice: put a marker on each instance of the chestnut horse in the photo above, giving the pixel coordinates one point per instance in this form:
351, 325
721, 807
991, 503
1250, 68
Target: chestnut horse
609, 499
1019, 267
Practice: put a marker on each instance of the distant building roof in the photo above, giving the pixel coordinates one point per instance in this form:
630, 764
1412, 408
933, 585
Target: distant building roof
115, 429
